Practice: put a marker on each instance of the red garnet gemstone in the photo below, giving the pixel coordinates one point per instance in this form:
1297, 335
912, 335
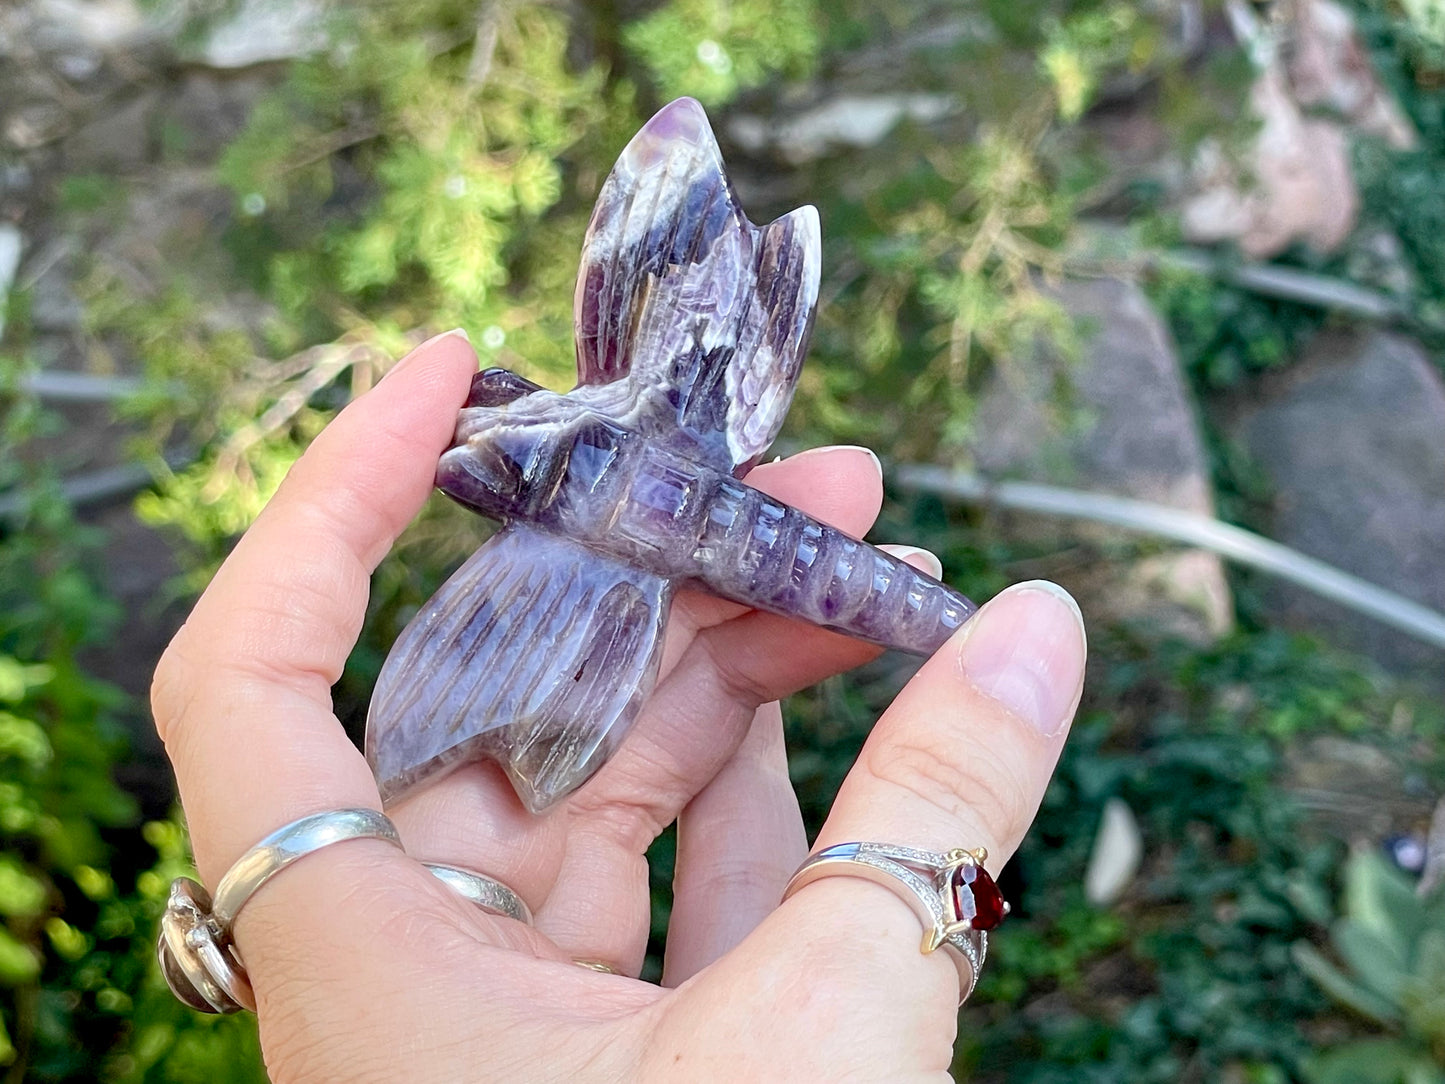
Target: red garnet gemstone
976, 898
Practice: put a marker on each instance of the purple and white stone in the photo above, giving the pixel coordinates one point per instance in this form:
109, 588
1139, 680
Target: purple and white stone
691, 327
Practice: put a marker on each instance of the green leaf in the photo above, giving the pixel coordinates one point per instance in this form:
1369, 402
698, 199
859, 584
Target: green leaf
19, 962
1374, 1061
17, 678
1378, 962
1423, 1000
1380, 899
23, 739
22, 894
1341, 987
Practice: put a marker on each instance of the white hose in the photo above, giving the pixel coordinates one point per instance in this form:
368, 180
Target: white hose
1193, 529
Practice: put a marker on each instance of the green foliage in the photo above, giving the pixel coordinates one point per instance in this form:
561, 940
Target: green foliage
449, 137
1225, 334
712, 49
81, 882
1392, 944
1405, 190
1085, 47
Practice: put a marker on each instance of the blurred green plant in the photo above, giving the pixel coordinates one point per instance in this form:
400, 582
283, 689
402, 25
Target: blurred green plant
82, 881
712, 49
1089, 45
1225, 334
1391, 942
434, 165
1192, 974
1404, 190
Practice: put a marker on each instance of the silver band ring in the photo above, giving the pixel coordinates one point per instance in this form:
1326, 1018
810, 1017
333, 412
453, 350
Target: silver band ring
952, 894
286, 845
197, 952
196, 949
488, 893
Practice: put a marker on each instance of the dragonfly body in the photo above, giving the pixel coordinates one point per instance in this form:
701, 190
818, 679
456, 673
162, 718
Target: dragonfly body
592, 479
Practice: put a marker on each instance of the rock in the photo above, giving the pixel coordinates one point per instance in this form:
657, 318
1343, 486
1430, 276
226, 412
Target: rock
35, 124
1118, 850
11, 245
1328, 66
1296, 183
1139, 439
210, 108
117, 140
74, 28
1302, 188
1352, 440
849, 120
258, 31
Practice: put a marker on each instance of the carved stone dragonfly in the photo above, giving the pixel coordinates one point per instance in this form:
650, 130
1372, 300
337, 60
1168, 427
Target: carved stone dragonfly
691, 326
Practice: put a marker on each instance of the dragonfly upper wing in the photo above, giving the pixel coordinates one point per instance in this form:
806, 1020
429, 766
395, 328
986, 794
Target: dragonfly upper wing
704, 314
537, 653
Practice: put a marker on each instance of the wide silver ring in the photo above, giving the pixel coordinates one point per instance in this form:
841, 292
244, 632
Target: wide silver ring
488, 893
196, 950
929, 883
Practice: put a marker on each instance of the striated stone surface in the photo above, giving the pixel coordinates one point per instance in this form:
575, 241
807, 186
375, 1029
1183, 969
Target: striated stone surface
691, 326
1136, 436
1352, 440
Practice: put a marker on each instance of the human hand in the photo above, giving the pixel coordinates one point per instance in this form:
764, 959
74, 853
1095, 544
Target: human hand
366, 968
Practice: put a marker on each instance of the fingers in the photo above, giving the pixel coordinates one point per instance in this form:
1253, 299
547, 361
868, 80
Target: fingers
473, 818
694, 720
740, 839
737, 843
719, 671
961, 759
242, 696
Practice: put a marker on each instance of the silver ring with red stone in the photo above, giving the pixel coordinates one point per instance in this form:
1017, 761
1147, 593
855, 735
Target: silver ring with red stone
952, 894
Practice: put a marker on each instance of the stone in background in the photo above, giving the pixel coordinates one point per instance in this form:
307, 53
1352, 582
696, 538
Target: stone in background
1137, 437
1294, 183
1352, 440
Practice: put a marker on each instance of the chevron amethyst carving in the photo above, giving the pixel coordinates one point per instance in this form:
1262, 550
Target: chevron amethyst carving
691, 326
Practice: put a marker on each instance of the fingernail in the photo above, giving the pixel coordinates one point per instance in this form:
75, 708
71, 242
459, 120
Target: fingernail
918, 557
877, 464
454, 333
1026, 649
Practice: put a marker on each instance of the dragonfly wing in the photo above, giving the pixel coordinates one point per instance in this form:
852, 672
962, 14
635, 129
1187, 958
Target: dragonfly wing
704, 314
537, 653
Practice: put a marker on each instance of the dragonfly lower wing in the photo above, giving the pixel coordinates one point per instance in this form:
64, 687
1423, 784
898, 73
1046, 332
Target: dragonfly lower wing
538, 653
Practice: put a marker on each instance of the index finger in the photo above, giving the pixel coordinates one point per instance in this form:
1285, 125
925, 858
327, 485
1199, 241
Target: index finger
242, 697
